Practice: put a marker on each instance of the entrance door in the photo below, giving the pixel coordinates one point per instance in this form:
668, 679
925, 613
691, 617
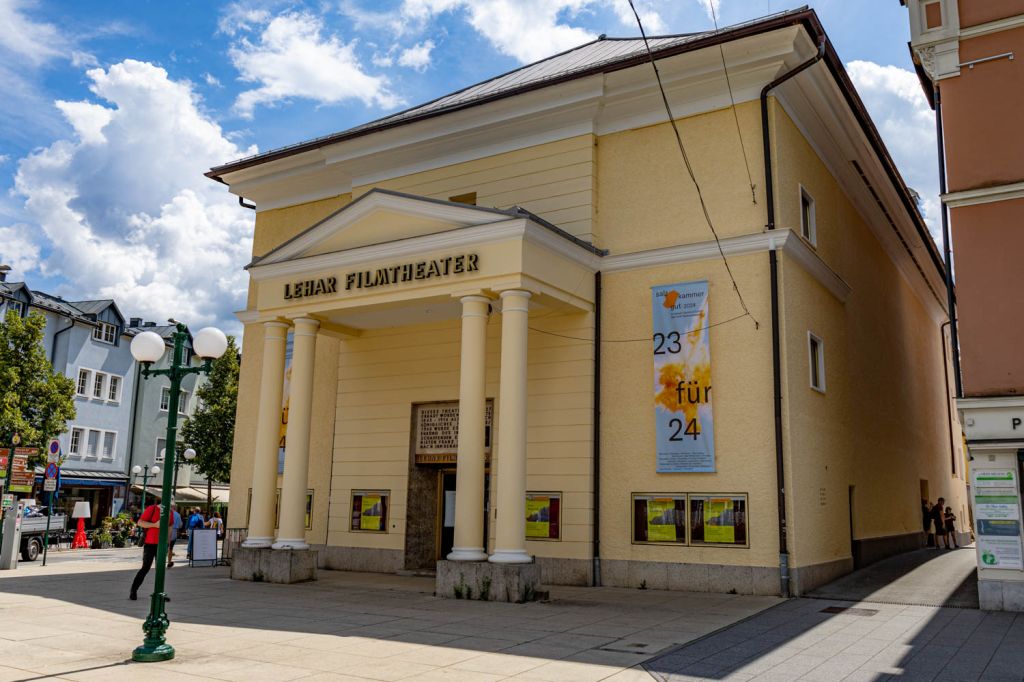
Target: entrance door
446, 512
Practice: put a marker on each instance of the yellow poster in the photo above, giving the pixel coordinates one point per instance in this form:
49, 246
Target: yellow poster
661, 520
719, 520
371, 513
538, 516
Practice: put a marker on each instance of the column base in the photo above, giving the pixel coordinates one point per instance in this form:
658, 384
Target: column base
467, 554
285, 543
510, 556
264, 564
484, 581
257, 542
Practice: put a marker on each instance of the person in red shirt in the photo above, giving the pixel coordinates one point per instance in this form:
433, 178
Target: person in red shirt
150, 520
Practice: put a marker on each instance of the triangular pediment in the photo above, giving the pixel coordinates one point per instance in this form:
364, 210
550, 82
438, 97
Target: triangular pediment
382, 216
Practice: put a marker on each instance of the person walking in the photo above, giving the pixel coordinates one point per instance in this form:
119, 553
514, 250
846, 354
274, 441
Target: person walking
950, 520
937, 517
926, 521
149, 521
176, 524
195, 520
217, 524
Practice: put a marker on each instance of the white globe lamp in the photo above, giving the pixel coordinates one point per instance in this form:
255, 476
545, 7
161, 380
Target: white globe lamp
136, 470
155, 470
147, 347
189, 454
209, 343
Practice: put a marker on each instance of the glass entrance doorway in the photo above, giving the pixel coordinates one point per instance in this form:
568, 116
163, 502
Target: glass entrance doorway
446, 511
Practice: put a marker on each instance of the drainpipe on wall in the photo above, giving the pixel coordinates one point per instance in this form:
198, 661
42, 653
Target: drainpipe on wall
947, 255
949, 406
780, 472
53, 343
597, 431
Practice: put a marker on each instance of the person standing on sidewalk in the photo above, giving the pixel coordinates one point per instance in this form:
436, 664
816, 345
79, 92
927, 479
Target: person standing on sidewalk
938, 518
176, 524
150, 522
926, 520
950, 518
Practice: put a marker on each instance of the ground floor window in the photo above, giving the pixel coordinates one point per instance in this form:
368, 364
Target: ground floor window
690, 519
370, 510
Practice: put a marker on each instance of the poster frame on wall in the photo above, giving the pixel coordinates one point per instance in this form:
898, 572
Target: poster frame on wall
719, 496
551, 495
676, 497
356, 521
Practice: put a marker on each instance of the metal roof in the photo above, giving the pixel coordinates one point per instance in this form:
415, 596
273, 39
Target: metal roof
602, 54
93, 307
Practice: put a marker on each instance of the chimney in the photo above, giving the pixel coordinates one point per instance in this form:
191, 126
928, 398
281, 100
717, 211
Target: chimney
149, 324
134, 321
4, 269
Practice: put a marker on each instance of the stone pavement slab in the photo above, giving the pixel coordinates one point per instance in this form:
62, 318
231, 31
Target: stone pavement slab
72, 620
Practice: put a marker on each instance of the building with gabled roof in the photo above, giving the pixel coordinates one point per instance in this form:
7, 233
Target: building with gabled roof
483, 333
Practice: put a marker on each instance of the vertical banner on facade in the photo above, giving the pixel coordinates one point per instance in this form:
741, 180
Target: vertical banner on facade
682, 378
283, 431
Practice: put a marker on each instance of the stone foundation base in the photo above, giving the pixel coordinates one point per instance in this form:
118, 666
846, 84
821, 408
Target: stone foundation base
1001, 595
273, 565
484, 581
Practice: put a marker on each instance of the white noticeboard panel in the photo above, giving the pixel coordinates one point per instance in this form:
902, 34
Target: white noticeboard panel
204, 546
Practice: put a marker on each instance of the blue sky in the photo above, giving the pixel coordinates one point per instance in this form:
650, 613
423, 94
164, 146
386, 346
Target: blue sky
113, 110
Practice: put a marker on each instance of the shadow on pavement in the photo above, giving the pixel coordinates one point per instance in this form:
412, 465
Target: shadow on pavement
834, 640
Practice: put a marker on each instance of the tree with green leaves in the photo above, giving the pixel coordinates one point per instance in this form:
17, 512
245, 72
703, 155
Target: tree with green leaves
210, 431
35, 401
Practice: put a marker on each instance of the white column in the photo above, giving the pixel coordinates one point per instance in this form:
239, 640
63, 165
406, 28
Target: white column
292, 532
469, 476
510, 539
268, 426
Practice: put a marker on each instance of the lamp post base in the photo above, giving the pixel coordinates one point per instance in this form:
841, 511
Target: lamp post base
153, 654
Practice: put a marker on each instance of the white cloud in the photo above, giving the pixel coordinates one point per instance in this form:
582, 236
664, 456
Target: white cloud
240, 17
18, 250
653, 24
901, 113
292, 59
527, 30
211, 80
417, 57
34, 42
123, 209
713, 8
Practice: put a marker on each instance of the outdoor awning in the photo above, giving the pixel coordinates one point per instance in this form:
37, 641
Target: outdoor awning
81, 477
189, 494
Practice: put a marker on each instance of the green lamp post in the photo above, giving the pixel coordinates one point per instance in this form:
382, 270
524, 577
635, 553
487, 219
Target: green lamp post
148, 347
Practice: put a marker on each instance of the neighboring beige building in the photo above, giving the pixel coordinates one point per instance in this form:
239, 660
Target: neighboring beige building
965, 56
492, 255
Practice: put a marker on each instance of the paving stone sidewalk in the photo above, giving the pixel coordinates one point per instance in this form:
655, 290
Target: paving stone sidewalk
72, 620
819, 639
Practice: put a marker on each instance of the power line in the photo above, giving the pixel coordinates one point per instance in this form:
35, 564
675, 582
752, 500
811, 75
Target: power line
647, 339
732, 101
689, 168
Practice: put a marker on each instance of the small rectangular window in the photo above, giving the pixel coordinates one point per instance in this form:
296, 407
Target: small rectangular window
83, 382
165, 399
109, 333
97, 385
183, 403
718, 520
114, 389
816, 357
161, 443
76, 442
18, 307
808, 228
109, 440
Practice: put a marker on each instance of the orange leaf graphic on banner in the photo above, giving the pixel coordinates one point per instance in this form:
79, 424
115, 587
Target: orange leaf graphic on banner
670, 299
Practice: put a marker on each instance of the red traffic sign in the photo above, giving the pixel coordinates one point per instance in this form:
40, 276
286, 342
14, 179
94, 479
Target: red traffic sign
51, 470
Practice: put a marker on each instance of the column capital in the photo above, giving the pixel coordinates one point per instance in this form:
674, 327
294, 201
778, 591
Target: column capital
275, 324
306, 326
515, 300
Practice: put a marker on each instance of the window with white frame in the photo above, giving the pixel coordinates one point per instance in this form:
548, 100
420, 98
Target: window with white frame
75, 447
109, 443
161, 444
82, 388
816, 357
17, 306
114, 389
105, 332
93, 443
97, 385
808, 225
165, 401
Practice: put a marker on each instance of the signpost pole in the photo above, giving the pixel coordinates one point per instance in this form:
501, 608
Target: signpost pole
46, 535
15, 442
50, 486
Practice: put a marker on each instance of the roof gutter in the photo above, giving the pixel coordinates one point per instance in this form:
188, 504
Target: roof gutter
773, 263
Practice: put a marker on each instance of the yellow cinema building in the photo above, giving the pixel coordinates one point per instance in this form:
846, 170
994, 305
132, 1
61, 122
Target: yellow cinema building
509, 346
